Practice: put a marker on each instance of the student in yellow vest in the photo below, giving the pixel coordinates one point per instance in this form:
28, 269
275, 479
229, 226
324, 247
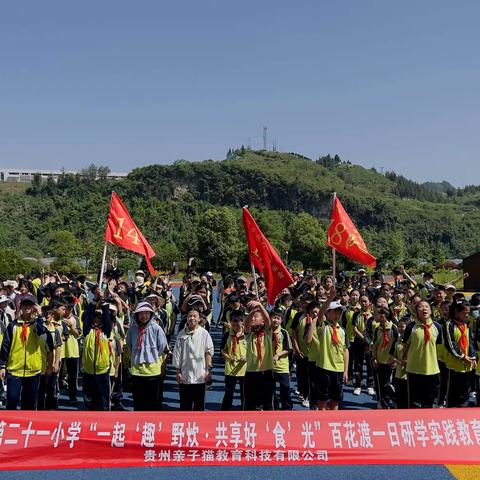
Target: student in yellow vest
97, 328
384, 337
21, 356
396, 362
284, 303
460, 354
300, 325
439, 296
332, 358
71, 351
5, 319
147, 343
398, 307
476, 335
234, 351
282, 348
313, 310
420, 340
117, 341
47, 390
359, 321
347, 318
291, 311
259, 374
441, 353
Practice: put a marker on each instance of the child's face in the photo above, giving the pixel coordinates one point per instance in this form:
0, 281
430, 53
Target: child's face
334, 316
365, 303
276, 321
237, 325
444, 310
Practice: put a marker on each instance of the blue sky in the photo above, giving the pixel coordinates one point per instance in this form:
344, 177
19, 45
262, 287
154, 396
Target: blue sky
393, 85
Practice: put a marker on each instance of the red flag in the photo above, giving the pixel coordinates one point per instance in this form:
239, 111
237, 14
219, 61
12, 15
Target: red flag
265, 259
122, 231
344, 237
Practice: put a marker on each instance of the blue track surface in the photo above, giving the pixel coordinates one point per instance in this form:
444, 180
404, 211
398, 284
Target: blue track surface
353, 472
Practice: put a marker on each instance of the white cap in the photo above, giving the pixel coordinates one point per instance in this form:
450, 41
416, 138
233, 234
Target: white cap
144, 307
209, 274
4, 299
450, 287
335, 305
11, 283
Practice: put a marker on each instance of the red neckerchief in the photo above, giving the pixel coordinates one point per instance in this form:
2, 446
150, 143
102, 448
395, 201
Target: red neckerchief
335, 339
276, 340
24, 333
426, 329
386, 338
463, 341
235, 343
98, 332
141, 333
260, 335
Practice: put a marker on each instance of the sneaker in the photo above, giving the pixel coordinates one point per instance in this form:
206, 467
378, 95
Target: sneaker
371, 391
306, 404
357, 391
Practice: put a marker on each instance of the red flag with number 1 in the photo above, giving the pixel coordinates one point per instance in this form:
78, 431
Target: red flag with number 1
265, 258
122, 231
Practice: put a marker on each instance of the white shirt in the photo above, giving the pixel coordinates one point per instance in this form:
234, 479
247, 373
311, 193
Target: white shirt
189, 354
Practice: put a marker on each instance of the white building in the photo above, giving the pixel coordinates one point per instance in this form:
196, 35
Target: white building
26, 175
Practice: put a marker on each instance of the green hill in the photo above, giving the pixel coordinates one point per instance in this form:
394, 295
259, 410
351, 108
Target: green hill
194, 209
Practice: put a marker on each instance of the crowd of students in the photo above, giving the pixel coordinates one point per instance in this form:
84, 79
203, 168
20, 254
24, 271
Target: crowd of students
409, 345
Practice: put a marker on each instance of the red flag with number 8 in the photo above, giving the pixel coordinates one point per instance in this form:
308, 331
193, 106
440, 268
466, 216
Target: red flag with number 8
122, 231
344, 237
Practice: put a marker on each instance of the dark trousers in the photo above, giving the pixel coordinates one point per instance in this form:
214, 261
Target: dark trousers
283, 380
96, 391
422, 390
401, 392
477, 389
383, 387
362, 355
458, 390
259, 390
302, 376
442, 395
23, 390
71, 366
313, 393
47, 392
146, 393
192, 396
230, 384
351, 359
116, 388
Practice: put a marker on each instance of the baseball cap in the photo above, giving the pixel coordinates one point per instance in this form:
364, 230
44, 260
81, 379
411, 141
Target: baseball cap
335, 305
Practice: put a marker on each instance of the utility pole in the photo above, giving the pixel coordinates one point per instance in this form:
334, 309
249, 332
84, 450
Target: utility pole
264, 138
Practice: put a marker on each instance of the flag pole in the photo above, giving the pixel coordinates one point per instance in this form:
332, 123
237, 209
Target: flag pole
334, 253
254, 280
103, 265
104, 257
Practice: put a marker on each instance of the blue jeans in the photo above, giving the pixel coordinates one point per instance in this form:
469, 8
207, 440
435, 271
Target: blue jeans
23, 390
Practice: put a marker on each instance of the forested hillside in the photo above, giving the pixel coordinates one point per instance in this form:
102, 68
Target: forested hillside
194, 209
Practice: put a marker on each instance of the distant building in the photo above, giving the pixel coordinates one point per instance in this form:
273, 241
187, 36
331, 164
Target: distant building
26, 175
471, 265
